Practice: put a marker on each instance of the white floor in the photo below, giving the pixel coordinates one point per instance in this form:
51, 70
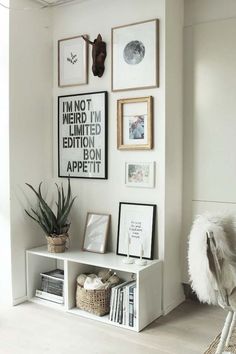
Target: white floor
34, 329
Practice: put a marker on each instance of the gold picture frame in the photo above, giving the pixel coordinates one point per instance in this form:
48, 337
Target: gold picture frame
96, 232
135, 123
135, 56
71, 70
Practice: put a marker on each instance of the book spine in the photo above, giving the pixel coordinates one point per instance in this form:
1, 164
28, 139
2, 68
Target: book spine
131, 306
47, 296
124, 305
135, 306
111, 304
117, 305
121, 306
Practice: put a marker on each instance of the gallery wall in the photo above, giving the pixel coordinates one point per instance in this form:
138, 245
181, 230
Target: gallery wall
209, 117
93, 17
33, 129
104, 195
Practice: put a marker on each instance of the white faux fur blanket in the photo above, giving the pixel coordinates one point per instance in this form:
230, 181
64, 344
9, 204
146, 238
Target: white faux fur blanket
202, 279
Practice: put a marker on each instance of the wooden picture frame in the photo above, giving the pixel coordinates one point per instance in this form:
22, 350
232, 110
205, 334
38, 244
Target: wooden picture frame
135, 123
72, 61
136, 230
82, 135
135, 56
96, 232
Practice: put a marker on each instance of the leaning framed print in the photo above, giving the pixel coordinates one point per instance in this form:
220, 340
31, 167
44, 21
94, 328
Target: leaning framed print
82, 135
140, 174
135, 56
72, 61
96, 232
136, 229
135, 123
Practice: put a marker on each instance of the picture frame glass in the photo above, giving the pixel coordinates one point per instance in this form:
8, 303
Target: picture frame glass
72, 61
96, 231
134, 56
136, 230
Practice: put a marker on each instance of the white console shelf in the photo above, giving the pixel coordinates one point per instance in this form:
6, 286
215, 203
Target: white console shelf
149, 280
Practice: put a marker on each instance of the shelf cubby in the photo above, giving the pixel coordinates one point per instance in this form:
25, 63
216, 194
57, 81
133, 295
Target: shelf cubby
74, 262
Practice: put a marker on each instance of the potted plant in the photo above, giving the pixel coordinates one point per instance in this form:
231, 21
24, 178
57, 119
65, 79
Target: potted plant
55, 225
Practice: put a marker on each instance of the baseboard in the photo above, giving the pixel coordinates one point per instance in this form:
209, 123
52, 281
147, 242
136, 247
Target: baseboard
19, 300
172, 306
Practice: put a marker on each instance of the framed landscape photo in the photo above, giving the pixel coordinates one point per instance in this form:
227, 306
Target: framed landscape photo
135, 123
136, 230
82, 135
139, 174
96, 232
135, 62
72, 61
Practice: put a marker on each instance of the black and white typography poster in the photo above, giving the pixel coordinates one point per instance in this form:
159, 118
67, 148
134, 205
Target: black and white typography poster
82, 135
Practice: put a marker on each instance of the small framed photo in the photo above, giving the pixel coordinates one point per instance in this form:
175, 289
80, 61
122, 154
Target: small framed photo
72, 61
139, 174
136, 230
135, 59
96, 232
135, 123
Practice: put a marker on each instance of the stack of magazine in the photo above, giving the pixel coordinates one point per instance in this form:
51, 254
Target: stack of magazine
123, 304
52, 286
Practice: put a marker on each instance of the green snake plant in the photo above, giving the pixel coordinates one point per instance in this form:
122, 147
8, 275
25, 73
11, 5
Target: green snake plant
53, 224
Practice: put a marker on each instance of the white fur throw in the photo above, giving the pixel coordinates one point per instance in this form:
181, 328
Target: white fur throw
203, 281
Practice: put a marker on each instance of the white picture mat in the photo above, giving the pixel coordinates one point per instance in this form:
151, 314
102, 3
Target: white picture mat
75, 154
136, 222
72, 74
144, 74
96, 232
130, 111
143, 175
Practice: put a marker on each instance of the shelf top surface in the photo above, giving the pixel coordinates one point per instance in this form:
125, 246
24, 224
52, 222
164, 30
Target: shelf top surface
106, 260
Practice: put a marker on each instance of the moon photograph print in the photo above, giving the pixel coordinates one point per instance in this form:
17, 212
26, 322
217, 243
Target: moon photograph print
135, 62
134, 52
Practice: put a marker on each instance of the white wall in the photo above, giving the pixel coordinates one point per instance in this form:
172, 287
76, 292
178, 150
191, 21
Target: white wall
30, 126
32, 34
210, 169
93, 17
96, 195
5, 249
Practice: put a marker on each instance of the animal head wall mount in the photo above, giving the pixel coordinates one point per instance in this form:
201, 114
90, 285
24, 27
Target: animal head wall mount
99, 54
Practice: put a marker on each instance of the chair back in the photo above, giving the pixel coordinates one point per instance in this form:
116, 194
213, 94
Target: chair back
212, 258
216, 268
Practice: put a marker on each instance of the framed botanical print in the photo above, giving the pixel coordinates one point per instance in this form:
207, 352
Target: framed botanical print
135, 61
72, 61
135, 123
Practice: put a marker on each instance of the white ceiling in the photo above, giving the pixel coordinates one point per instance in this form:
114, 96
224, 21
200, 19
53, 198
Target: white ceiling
55, 2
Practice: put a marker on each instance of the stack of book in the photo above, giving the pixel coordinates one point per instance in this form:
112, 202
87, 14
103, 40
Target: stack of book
52, 286
123, 304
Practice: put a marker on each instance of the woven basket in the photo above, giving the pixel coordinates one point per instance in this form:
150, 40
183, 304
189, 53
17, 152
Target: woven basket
93, 301
57, 244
